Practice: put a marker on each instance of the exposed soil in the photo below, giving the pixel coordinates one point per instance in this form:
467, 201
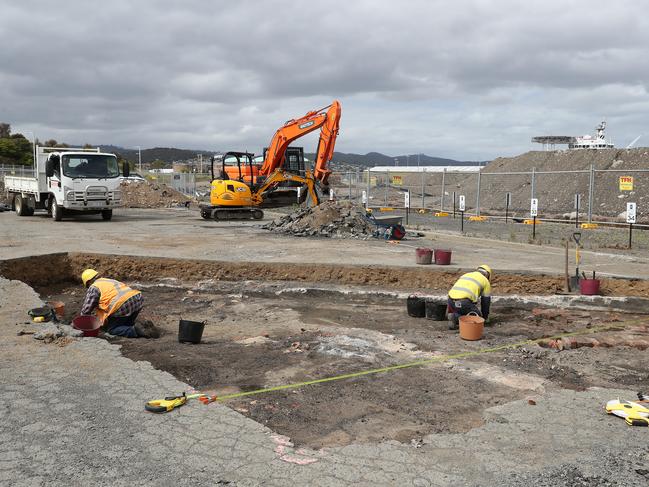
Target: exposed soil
254, 342
54, 268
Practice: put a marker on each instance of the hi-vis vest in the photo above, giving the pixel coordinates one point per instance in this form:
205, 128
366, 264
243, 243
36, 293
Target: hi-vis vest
471, 286
112, 295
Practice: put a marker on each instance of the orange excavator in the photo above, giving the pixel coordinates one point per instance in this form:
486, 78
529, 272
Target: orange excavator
240, 188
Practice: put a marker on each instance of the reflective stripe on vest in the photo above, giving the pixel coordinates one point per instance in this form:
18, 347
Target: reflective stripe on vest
470, 286
112, 295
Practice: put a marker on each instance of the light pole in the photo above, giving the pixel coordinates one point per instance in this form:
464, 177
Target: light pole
418, 159
139, 158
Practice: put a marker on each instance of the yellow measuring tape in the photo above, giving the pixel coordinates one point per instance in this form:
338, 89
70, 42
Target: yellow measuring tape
442, 358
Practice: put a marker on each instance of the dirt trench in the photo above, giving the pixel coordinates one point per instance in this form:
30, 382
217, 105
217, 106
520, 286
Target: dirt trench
49, 269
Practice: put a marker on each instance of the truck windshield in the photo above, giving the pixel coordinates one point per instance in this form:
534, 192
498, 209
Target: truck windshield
90, 166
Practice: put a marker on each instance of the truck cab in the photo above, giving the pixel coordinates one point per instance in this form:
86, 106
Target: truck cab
68, 181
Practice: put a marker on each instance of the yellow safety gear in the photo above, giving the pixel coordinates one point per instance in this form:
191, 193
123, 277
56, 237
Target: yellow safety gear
486, 268
87, 275
112, 295
471, 286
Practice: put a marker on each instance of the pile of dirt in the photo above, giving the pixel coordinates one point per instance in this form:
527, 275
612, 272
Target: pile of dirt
555, 192
145, 194
330, 219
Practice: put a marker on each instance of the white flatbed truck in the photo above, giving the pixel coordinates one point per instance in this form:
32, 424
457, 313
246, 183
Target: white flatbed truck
68, 181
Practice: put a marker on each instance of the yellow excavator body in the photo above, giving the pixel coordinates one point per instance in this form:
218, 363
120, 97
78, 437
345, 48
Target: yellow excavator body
230, 193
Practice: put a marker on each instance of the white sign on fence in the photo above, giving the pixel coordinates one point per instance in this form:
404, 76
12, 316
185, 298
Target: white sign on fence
462, 203
534, 207
630, 212
406, 197
364, 196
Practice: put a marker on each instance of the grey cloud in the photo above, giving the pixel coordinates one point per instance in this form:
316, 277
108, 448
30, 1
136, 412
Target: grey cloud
209, 74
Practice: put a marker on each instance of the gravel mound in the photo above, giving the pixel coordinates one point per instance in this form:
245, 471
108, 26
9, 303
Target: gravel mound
145, 194
555, 192
329, 219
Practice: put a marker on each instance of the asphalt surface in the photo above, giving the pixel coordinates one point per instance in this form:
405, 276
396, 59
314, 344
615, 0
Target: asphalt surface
182, 233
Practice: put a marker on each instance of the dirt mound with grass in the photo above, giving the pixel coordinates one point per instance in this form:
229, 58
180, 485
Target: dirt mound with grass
330, 219
145, 194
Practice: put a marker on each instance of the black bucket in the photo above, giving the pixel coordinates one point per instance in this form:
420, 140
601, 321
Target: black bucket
435, 310
190, 331
416, 306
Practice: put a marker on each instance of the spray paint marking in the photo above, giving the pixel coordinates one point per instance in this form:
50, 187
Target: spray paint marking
442, 358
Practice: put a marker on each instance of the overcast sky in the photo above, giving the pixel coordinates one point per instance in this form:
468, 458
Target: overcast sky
469, 80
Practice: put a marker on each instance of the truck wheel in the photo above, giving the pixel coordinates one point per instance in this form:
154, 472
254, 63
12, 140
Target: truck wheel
20, 204
57, 211
107, 214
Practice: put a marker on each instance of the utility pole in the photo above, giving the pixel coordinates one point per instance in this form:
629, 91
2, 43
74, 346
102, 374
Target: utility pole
139, 158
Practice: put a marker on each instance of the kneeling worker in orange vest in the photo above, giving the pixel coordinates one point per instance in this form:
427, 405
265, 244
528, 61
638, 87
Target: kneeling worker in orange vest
116, 305
465, 293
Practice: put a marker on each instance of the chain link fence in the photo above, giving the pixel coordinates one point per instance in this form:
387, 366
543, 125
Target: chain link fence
602, 194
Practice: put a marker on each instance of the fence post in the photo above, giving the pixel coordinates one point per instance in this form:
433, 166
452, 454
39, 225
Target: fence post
367, 205
357, 182
477, 202
591, 193
423, 188
387, 185
441, 203
349, 181
533, 183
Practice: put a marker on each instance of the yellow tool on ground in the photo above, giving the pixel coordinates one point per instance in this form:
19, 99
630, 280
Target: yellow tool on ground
633, 412
169, 403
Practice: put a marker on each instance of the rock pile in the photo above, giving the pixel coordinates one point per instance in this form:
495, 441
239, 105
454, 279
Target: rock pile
145, 194
330, 219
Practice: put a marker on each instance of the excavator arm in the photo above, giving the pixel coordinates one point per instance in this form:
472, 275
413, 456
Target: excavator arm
326, 144
280, 176
294, 129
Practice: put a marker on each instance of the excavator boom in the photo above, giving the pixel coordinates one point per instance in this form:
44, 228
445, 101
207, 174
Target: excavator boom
294, 129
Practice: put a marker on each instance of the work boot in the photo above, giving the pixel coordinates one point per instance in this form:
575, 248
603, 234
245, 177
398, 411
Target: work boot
146, 329
453, 322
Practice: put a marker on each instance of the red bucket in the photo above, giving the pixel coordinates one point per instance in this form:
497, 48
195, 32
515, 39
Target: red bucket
424, 256
589, 287
442, 257
89, 325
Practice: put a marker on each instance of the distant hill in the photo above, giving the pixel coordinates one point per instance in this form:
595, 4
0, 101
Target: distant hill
169, 155
166, 154
377, 159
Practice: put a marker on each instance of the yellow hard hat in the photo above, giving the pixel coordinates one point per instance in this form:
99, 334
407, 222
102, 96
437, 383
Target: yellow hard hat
487, 269
87, 275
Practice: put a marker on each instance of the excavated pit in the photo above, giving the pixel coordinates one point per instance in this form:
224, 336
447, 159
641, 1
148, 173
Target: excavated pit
260, 333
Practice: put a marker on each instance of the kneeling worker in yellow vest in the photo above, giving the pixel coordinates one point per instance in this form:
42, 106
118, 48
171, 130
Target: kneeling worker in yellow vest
116, 305
465, 293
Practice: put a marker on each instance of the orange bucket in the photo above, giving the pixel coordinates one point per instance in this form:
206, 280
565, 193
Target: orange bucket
471, 327
58, 307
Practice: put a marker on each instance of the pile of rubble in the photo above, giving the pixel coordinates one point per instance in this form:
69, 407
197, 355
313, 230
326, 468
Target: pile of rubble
145, 194
330, 219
